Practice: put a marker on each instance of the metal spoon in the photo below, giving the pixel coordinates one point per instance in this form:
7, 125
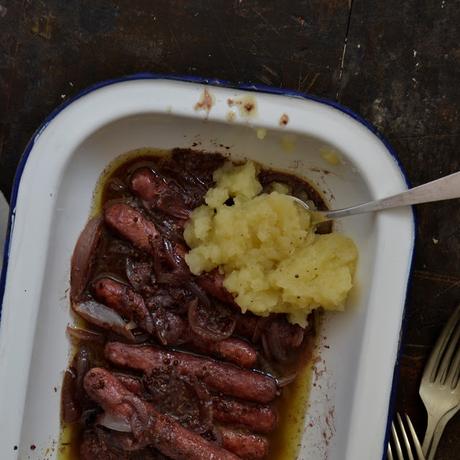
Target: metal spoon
445, 188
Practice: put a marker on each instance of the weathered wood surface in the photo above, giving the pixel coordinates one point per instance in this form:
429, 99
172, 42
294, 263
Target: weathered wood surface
397, 63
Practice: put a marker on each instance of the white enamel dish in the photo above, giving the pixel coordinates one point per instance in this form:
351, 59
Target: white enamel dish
347, 415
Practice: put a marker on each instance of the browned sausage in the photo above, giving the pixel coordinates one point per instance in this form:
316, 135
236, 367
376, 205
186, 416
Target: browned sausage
246, 445
258, 418
222, 377
213, 284
131, 225
124, 300
83, 257
147, 185
132, 383
159, 192
234, 350
159, 430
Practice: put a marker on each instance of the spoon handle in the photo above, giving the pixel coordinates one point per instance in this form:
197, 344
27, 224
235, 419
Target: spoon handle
445, 188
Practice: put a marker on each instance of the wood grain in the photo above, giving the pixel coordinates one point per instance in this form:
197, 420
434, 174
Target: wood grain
396, 63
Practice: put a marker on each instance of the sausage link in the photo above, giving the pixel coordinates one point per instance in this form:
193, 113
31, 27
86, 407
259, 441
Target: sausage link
159, 430
131, 225
256, 417
247, 446
234, 350
213, 284
124, 300
158, 192
130, 382
146, 185
221, 377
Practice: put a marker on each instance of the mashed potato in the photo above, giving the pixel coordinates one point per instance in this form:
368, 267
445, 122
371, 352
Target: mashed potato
266, 246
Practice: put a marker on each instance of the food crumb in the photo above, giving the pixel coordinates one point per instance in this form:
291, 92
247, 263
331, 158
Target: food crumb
261, 133
231, 115
288, 143
330, 155
435, 241
284, 120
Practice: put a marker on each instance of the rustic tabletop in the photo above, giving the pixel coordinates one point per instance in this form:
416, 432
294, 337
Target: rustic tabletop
397, 63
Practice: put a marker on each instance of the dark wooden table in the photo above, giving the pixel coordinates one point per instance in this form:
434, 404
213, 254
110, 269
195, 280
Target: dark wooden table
397, 63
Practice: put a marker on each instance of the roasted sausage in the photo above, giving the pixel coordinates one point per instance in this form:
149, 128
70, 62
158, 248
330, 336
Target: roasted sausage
234, 350
124, 300
246, 445
129, 223
221, 377
256, 417
132, 383
213, 284
159, 430
148, 185
159, 192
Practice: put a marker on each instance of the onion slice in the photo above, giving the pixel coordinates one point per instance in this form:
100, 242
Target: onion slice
70, 408
83, 256
85, 335
104, 317
286, 380
114, 422
213, 322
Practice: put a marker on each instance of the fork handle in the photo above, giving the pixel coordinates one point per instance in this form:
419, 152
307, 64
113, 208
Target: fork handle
437, 433
433, 422
445, 188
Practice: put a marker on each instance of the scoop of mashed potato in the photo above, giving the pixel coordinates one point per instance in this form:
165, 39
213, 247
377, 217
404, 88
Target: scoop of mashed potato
266, 246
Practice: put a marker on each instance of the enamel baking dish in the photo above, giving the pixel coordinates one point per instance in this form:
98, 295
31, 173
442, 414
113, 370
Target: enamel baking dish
354, 365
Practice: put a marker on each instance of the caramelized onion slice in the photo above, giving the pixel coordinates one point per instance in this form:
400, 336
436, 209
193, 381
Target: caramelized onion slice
286, 380
213, 322
71, 410
85, 335
82, 257
113, 422
104, 317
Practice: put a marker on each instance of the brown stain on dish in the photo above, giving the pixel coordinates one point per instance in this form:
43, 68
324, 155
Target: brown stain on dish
284, 120
206, 102
247, 105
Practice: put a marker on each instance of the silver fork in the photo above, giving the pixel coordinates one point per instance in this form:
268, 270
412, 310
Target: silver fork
405, 445
440, 387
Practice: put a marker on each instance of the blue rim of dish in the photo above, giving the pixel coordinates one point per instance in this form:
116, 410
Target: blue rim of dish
226, 84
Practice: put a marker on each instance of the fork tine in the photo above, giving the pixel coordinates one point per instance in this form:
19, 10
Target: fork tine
455, 378
446, 363
404, 437
389, 453
433, 363
396, 443
418, 447
452, 375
